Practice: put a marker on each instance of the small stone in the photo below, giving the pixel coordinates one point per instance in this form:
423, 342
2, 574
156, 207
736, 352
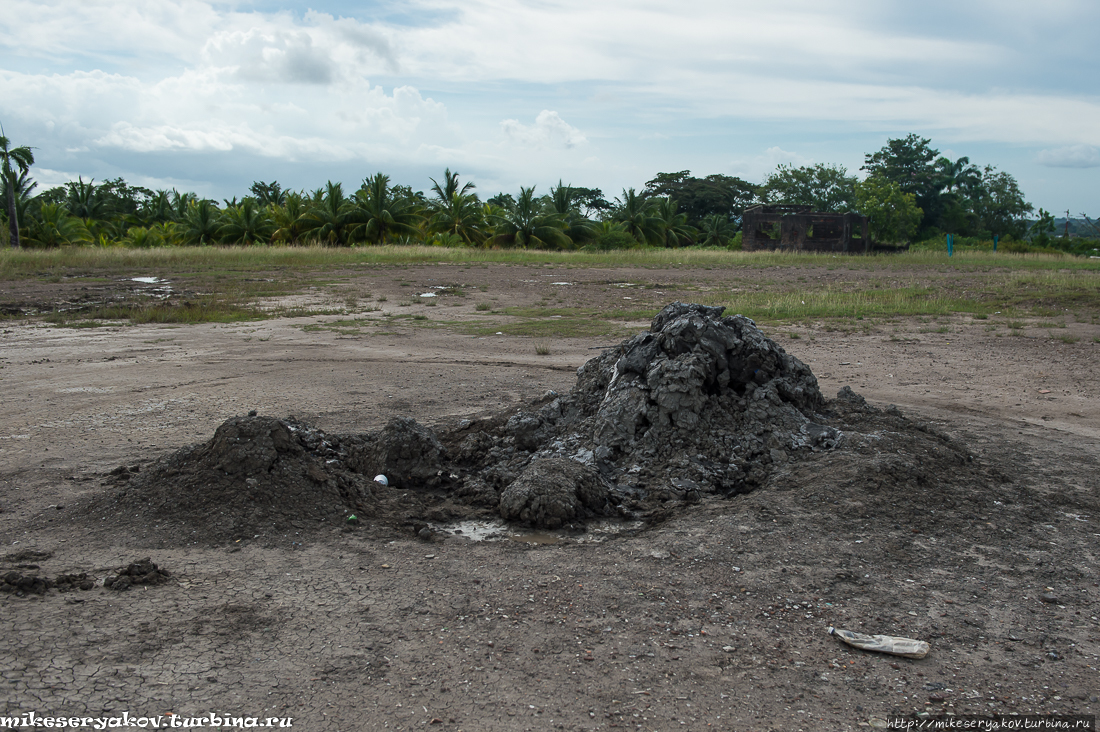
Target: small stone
1048, 597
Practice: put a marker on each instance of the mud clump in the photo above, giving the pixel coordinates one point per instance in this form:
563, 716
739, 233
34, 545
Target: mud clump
142, 572
20, 585
407, 453
553, 492
701, 404
257, 477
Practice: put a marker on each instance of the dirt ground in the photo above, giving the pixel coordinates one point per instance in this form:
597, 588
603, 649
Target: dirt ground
715, 618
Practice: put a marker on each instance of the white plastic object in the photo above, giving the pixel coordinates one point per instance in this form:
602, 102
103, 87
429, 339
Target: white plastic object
906, 647
381, 480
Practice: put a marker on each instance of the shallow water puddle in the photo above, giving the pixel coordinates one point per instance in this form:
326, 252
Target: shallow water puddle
501, 531
163, 291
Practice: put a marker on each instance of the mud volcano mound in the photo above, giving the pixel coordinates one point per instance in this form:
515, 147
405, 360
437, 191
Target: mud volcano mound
257, 475
699, 406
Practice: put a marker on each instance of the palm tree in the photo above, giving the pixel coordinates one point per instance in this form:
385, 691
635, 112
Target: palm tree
450, 186
461, 216
563, 202
246, 224
380, 216
525, 227
159, 208
201, 223
84, 200
180, 203
56, 227
23, 187
676, 231
957, 175
638, 217
717, 231
331, 217
141, 237
288, 218
269, 194
13, 159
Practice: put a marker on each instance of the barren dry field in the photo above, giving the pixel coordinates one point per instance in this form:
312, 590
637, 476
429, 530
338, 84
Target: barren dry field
711, 616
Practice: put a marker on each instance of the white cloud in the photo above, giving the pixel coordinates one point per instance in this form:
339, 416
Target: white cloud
549, 130
161, 78
277, 58
1072, 156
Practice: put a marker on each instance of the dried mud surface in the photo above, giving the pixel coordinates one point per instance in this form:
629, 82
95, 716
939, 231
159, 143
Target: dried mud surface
965, 516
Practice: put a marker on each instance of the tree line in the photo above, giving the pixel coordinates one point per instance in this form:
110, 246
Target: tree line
910, 192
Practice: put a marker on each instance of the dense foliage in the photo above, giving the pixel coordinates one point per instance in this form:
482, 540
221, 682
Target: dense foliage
910, 192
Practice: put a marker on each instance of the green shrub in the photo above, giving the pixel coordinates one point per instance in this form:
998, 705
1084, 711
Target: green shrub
614, 239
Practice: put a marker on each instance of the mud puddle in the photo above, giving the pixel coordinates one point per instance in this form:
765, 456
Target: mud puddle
482, 530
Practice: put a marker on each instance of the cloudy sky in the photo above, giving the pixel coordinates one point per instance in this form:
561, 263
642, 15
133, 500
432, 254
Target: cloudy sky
210, 96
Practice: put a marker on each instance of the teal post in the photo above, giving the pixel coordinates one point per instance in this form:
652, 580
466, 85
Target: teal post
994, 242
950, 253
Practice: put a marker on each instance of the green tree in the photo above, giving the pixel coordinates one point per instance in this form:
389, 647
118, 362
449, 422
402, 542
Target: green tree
460, 216
201, 223
332, 215
823, 187
13, 162
288, 218
268, 194
590, 202
456, 211
55, 227
910, 163
675, 231
716, 231
638, 216
159, 208
503, 201
701, 197
142, 237
381, 216
1041, 231
84, 202
524, 226
450, 186
610, 235
958, 175
999, 204
246, 224
120, 199
565, 203
893, 215
22, 190
180, 203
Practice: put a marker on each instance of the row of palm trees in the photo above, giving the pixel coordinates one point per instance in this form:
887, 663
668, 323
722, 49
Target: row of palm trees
377, 213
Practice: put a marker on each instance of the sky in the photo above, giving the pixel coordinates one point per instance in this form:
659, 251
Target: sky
210, 96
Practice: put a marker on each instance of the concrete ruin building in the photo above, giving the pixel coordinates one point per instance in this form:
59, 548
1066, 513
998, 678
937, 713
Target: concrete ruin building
801, 229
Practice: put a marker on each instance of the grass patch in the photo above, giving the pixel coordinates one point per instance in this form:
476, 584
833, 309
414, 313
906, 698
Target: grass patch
235, 280
201, 311
545, 329
831, 303
71, 261
542, 349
